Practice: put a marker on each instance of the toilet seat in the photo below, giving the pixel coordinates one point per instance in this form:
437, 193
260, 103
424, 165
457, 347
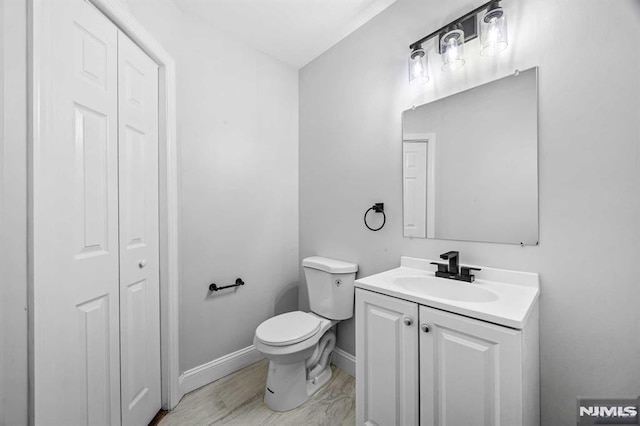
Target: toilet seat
288, 329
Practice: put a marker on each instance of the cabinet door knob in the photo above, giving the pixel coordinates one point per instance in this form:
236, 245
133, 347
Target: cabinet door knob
142, 264
425, 328
408, 321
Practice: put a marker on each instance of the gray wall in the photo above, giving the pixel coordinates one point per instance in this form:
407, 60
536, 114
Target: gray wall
13, 213
238, 140
351, 99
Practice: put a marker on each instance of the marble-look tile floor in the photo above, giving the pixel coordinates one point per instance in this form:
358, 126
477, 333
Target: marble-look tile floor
237, 400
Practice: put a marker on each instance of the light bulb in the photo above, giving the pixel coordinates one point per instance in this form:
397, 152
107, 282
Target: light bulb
493, 31
452, 50
418, 67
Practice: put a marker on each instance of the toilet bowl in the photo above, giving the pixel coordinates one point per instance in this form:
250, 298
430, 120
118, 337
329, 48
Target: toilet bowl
290, 341
299, 344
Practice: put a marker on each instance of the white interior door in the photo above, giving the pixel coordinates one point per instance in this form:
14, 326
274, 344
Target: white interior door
95, 294
139, 255
75, 301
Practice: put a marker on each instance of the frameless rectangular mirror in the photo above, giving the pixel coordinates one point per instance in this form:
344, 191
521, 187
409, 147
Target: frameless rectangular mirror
470, 164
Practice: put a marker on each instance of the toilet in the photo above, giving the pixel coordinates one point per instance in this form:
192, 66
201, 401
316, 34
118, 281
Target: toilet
299, 344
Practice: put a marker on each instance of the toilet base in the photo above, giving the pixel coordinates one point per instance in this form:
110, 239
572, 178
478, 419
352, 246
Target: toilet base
288, 387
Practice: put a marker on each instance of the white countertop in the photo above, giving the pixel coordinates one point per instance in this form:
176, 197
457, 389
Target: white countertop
517, 292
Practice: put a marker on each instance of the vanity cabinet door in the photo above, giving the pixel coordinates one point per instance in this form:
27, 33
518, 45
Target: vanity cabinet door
470, 371
387, 367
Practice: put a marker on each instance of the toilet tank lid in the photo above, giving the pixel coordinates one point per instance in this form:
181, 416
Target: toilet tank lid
329, 265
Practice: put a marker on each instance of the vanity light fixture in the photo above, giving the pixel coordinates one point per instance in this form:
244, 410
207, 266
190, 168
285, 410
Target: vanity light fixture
453, 36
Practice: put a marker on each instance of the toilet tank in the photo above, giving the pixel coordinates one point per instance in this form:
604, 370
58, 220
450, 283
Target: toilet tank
330, 284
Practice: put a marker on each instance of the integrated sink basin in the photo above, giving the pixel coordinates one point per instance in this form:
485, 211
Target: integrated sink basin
445, 289
498, 296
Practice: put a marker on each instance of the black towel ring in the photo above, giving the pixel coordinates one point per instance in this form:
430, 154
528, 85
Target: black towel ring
378, 208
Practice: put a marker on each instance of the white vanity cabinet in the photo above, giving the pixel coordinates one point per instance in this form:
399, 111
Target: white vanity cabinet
420, 365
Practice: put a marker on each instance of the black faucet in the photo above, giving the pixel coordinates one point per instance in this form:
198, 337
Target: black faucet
453, 270
452, 257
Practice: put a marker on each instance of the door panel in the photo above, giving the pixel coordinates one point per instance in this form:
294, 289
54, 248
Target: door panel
92, 182
387, 367
133, 186
469, 371
93, 366
75, 329
139, 255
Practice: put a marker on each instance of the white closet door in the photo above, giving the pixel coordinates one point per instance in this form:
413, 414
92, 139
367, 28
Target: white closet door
75, 301
139, 264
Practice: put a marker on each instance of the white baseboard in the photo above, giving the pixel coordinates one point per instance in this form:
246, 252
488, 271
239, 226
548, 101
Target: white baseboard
344, 361
204, 374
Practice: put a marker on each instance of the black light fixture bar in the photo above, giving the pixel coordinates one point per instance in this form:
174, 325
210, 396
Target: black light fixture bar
444, 29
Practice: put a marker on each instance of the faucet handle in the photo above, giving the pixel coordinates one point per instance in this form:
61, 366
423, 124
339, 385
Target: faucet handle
465, 271
442, 267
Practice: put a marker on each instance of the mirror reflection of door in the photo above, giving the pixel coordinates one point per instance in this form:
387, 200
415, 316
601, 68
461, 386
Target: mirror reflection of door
418, 184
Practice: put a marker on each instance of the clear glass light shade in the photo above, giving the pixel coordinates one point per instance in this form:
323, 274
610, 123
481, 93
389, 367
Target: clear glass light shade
493, 33
452, 50
418, 67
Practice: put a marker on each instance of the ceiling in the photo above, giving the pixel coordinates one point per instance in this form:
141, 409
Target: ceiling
293, 31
